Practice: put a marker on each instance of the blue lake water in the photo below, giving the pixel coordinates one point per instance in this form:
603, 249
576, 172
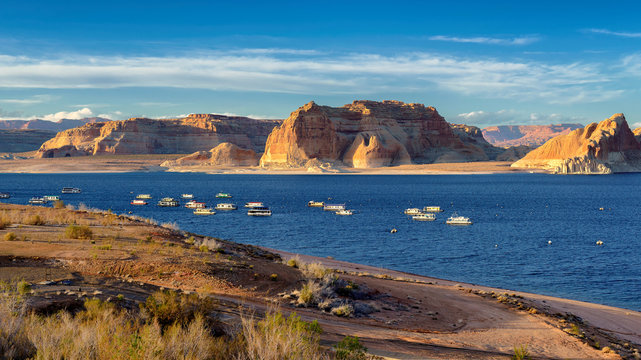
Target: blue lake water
515, 215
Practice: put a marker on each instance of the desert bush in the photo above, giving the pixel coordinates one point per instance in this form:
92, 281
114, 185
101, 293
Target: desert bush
169, 307
10, 236
315, 270
309, 294
277, 337
103, 247
4, 223
35, 220
14, 342
78, 232
59, 204
345, 310
273, 277
203, 248
23, 287
294, 262
521, 353
190, 240
350, 349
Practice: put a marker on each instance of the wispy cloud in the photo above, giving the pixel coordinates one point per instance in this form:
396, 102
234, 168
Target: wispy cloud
514, 117
36, 99
525, 40
319, 74
616, 33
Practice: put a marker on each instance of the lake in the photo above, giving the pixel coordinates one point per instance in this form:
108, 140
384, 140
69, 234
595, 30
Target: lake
514, 215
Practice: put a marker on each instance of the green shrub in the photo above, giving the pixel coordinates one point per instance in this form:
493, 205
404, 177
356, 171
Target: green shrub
273, 277
23, 287
35, 220
521, 353
350, 349
292, 263
10, 236
309, 294
78, 232
203, 248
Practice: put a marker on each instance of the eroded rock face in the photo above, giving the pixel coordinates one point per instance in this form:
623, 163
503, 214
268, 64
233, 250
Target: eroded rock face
366, 134
195, 132
603, 148
225, 154
529, 135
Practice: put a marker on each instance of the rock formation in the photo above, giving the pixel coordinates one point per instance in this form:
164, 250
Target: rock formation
603, 148
195, 132
530, 135
637, 134
225, 154
366, 134
15, 141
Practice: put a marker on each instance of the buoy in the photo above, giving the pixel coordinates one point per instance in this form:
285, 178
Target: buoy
393, 231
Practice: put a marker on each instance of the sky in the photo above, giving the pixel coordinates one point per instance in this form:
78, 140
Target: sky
479, 63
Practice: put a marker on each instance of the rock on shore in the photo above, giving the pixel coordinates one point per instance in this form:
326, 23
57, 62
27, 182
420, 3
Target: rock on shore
607, 147
225, 154
366, 134
195, 132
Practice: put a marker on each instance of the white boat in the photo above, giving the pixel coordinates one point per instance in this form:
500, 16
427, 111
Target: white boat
4, 195
226, 206
51, 198
71, 190
223, 196
138, 202
143, 196
345, 212
412, 211
432, 209
253, 204
187, 196
315, 204
424, 217
168, 202
37, 201
195, 204
259, 211
333, 207
204, 211
458, 220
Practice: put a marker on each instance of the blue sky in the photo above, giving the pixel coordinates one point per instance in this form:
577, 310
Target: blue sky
508, 62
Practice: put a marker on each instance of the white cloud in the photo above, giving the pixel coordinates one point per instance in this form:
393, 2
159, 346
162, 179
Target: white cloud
320, 74
525, 40
513, 117
72, 115
616, 33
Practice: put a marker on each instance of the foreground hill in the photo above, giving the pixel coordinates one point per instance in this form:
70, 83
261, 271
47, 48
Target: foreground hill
159, 275
367, 134
607, 147
528, 135
56, 126
151, 136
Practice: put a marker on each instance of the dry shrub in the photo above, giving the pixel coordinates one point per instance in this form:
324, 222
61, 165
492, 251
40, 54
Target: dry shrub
171, 226
14, 342
59, 204
315, 270
35, 220
169, 307
277, 337
310, 294
78, 232
295, 262
4, 222
345, 310
10, 236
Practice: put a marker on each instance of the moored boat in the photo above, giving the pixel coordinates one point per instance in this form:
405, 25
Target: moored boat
345, 212
71, 190
424, 217
458, 220
204, 211
138, 202
37, 201
315, 204
168, 202
253, 204
259, 211
4, 195
51, 198
227, 206
432, 209
143, 196
187, 196
195, 204
223, 196
333, 207
412, 211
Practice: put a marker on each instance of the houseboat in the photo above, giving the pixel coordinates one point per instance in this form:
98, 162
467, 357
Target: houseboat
345, 212
412, 211
458, 220
259, 211
333, 207
424, 217
138, 202
315, 204
51, 198
223, 196
187, 196
204, 211
195, 204
4, 195
37, 201
71, 190
254, 204
227, 206
168, 202
143, 196
432, 209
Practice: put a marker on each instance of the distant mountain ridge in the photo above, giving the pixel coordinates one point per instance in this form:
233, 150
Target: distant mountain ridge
56, 126
529, 135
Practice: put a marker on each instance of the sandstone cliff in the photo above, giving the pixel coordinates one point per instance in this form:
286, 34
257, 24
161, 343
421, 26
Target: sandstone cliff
195, 132
603, 148
225, 154
366, 134
529, 135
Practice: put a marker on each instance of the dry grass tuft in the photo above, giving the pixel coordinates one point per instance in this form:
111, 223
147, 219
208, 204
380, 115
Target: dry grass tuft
78, 232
